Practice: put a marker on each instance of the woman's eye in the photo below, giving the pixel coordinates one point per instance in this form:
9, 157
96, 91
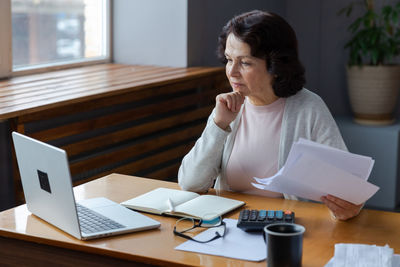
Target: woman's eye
246, 63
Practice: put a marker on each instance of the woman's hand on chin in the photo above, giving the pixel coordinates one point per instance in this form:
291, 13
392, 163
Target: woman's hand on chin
227, 108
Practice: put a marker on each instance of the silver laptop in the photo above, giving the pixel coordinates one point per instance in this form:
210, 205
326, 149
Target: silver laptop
47, 186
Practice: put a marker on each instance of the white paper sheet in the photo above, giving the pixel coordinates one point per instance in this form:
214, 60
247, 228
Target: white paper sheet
362, 255
313, 170
358, 165
236, 244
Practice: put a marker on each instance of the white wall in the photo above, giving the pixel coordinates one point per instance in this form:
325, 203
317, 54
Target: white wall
177, 33
150, 32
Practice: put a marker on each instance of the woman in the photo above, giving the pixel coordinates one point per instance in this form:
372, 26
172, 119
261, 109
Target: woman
251, 130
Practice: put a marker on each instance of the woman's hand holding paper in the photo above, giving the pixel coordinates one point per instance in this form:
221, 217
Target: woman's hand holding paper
341, 209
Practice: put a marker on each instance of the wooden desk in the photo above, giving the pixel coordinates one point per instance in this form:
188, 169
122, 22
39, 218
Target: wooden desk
25, 239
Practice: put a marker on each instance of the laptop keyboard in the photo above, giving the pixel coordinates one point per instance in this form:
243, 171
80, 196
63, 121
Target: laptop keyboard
92, 222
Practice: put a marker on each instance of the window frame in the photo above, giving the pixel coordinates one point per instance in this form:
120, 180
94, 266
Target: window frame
6, 67
5, 43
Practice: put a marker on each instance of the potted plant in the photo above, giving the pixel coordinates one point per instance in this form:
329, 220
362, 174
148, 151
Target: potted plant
373, 79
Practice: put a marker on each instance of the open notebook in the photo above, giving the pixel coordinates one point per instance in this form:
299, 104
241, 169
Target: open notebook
182, 203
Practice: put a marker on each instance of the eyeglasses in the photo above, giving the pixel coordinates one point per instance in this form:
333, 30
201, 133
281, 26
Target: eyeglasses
184, 227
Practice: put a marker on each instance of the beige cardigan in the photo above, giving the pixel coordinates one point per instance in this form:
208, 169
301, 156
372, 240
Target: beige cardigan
305, 116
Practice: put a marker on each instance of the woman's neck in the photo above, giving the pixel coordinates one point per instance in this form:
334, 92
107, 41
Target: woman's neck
262, 100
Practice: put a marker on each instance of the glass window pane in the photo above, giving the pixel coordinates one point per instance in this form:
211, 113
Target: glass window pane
54, 32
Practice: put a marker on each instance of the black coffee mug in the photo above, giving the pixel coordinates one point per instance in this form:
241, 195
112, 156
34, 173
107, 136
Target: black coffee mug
284, 244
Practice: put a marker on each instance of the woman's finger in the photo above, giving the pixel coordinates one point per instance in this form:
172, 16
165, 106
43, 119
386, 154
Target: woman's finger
339, 202
224, 98
232, 97
343, 203
233, 101
340, 208
331, 205
239, 101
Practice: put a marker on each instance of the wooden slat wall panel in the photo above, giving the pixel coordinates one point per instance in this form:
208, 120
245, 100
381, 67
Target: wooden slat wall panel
147, 162
115, 118
136, 149
123, 98
134, 132
110, 87
164, 173
121, 117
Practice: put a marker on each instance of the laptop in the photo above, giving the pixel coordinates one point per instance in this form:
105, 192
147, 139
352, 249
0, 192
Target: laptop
47, 185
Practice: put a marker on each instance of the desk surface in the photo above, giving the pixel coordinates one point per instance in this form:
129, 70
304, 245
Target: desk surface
157, 246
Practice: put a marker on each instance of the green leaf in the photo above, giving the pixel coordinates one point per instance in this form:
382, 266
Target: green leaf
355, 25
386, 12
348, 9
375, 35
374, 57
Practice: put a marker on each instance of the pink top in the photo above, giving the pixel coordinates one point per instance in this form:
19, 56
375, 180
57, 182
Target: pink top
256, 147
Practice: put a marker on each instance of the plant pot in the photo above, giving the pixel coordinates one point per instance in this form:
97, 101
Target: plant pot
373, 92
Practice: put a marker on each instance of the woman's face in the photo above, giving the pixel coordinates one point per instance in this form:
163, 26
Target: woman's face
247, 74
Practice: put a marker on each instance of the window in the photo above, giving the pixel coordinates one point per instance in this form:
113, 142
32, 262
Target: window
53, 33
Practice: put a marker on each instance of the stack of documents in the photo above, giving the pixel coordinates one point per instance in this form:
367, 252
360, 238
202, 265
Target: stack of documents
360, 255
313, 170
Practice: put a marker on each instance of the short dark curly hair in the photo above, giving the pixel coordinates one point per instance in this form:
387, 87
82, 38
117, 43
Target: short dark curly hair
271, 38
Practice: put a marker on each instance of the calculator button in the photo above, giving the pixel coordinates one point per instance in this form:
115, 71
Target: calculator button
262, 213
279, 215
253, 215
270, 214
245, 215
288, 216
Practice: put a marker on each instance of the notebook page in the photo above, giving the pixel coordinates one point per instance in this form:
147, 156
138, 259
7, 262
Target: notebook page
160, 200
205, 205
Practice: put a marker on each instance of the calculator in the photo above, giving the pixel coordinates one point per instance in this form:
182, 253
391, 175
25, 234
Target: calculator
256, 220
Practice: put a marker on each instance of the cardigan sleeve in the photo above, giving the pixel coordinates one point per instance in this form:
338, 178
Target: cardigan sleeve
324, 129
201, 166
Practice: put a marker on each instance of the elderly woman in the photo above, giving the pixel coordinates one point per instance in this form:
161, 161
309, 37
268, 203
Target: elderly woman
251, 130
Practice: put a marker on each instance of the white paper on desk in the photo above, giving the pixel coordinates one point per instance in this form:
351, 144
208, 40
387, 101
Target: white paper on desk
236, 244
395, 261
363, 255
309, 177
